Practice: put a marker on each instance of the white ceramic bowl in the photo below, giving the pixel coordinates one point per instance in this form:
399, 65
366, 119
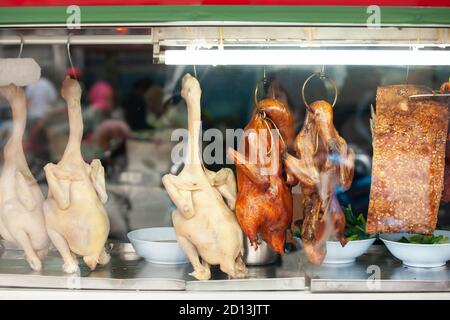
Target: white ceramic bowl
418, 255
336, 254
157, 245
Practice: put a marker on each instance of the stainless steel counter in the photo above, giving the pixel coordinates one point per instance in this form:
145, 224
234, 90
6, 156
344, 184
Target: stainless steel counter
285, 274
126, 271
376, 271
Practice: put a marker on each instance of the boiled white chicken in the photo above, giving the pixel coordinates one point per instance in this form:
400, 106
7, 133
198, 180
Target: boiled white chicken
21, 216
77, 222
206, 227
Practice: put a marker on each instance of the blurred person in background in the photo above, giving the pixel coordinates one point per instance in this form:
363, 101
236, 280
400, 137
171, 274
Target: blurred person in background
42, 97
105, 133
49, 127
110, 130
100, 106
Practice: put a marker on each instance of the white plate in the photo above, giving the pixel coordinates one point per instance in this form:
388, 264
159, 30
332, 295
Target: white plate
157, 245
418, 255
336, 254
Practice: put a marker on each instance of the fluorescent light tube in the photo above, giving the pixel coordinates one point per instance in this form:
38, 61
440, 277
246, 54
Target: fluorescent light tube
308, 57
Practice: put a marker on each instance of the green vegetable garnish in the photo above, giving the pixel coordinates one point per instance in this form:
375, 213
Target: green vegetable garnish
355, 228
424, 239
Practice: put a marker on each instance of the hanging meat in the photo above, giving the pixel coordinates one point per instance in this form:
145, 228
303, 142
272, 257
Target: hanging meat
445, 88
204, 221
264, 201
21, 216
408, 160
323, 153
77, 222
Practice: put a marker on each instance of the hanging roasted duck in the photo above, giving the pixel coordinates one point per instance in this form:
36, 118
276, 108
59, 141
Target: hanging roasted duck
21, 216
323, 152
264, 200
77, 222
204, 221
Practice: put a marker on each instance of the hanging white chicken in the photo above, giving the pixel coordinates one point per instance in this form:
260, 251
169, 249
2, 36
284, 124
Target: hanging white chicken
21, 216
77, 222
206, 227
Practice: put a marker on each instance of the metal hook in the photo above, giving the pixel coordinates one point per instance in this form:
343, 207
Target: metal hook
407, 68
22, 41
195, 71
262, 114
407, 74
432, 95
278, 131
323, 77
322, 74
68, 53
266, 121
263, 81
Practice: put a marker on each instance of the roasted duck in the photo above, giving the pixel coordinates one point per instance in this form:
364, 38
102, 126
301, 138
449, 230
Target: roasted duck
21, 216
204, 221
323, 155
408, 161
77, 222
264, 200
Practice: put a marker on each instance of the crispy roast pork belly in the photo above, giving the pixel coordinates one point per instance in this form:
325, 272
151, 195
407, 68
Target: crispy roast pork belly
408, 161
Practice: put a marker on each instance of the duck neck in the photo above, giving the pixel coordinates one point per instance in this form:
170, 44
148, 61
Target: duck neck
19, 114
194, 159
13, 151
76, 129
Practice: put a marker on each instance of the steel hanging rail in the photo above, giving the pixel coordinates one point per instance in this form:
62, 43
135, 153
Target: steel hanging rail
78, 40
